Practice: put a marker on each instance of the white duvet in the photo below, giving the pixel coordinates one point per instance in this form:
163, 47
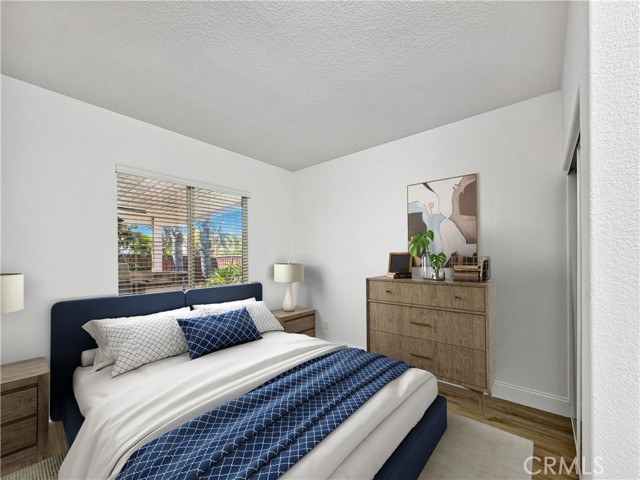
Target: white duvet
122, 416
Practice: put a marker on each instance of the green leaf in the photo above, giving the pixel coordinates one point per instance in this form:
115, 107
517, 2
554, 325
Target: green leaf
437, 259
429, 234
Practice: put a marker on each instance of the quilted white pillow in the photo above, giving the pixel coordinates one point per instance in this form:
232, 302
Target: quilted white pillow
104, 356
134, 344
260, 314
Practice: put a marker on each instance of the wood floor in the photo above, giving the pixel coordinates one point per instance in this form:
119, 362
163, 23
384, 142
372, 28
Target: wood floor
551, 434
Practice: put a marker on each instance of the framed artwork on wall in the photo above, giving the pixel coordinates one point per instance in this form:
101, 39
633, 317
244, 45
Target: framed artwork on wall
448, 207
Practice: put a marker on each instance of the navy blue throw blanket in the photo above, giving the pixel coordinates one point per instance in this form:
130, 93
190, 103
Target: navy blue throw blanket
264, 432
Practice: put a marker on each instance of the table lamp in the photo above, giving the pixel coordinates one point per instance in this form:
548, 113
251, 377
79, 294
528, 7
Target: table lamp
12, 292
288, 273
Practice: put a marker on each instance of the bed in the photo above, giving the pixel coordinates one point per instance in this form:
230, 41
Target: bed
417, 433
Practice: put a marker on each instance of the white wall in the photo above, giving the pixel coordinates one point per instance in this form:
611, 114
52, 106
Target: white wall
602, 78
59, 201
613, 207
351, 212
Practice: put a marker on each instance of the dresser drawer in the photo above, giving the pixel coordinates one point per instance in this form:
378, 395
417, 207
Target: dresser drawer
448, 362
19, 404
19, 435
455, 328
429, 294
463, 365
400, 347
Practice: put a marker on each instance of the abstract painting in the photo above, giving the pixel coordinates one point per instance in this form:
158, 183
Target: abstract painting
449, 208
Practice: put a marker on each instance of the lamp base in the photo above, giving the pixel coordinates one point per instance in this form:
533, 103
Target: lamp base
288, 305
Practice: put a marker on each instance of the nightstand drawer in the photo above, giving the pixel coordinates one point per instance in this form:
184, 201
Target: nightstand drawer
24, 410
19, 435
19, 404
300, 320
300, 325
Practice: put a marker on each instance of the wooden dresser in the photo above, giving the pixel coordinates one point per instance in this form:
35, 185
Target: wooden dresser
300, 320
25, 411
447, 328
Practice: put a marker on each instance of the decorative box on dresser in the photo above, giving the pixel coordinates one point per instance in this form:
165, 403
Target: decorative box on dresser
24, 411
300, 320
447, 327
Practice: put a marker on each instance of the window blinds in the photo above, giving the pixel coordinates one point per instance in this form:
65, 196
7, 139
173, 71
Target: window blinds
175, 236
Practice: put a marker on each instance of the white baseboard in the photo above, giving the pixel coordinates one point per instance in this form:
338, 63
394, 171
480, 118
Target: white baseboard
532, 398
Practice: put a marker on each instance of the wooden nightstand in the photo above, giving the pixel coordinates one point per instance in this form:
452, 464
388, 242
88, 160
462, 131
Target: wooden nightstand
24, 414
301, 320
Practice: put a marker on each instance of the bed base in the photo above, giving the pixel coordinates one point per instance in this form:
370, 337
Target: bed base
408, 460
68, 340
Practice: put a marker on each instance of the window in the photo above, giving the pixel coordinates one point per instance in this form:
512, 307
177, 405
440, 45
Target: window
177, 236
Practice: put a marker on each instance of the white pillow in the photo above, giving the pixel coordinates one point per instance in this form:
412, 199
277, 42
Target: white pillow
137, 343
94, 328
235, 305
87, 357
260, 314
193, 314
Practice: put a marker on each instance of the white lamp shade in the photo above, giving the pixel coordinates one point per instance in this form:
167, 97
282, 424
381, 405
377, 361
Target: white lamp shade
12, 292
288, 272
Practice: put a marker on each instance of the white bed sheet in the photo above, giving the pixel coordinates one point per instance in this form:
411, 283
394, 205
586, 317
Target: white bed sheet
125, 412
90, 387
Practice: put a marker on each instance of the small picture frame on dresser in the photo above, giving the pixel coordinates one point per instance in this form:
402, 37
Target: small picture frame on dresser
399, 265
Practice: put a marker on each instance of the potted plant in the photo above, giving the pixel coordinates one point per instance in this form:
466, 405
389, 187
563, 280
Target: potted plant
437, 262
419, 247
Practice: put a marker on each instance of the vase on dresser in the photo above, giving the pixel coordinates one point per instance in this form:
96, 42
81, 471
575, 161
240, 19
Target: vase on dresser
424, 269
437, 274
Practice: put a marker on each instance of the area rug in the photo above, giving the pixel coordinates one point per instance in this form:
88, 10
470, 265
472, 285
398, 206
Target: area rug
44, 470
471, 450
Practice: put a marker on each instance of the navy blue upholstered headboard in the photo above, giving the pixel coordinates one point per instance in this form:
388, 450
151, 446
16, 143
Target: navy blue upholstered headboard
68, 339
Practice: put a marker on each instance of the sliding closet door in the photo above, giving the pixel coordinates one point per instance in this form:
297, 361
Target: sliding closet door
575, 313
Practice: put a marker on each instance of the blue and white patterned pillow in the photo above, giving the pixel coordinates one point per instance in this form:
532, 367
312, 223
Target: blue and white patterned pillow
263, 318
216, 332
104, 356
260, 314
137, 343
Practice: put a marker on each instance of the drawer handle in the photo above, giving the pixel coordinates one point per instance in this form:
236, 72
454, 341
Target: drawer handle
420, 323
420, 356
456, 297
389, 291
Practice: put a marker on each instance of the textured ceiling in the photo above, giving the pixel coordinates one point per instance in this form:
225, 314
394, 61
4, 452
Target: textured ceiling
289, 83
